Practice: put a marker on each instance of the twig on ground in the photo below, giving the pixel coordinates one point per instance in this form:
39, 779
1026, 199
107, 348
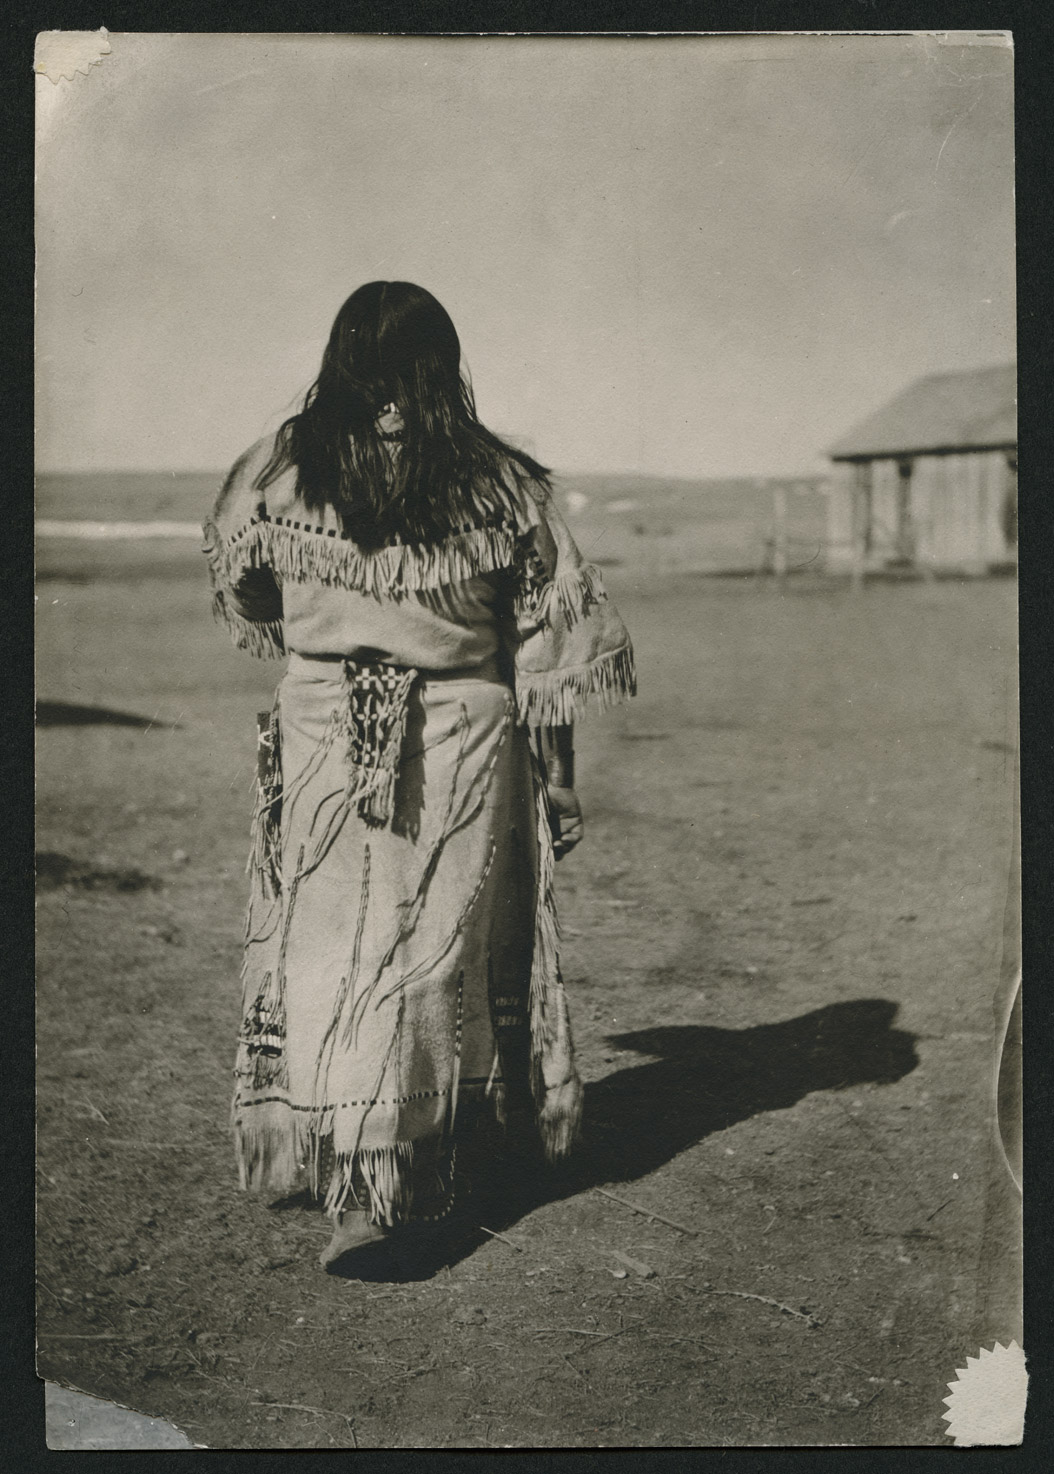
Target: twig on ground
303, 1407
637, 1265
153, 1146
429, 1366
573, 1331
495, 1235
85, 1336
262, 1348
230, 1385
867, 1371
767, 1300
589, 1345
938, 1210
647, 1213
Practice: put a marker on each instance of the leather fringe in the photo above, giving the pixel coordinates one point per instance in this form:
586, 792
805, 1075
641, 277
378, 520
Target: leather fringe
270, 1156
555, 698
574, 593
387, 1175
262, 638
265, 854
558, 1105
310, 555
274, 1158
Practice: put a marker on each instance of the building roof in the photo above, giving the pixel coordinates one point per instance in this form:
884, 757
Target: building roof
975, 410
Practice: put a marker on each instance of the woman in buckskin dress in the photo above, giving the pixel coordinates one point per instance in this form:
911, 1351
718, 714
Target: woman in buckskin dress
401, 966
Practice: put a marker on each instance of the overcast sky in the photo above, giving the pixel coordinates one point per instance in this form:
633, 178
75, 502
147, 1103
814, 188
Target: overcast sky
696, 257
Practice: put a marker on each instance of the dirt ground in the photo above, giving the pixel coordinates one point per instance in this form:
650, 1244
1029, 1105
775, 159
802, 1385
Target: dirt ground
783, 939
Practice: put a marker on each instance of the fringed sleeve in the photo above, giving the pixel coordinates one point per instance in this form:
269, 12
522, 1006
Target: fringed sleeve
570, 643
246, 593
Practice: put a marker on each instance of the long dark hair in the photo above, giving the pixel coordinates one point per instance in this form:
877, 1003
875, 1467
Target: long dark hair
393, 344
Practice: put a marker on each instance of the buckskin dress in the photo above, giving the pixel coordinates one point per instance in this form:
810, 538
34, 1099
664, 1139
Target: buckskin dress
401, 956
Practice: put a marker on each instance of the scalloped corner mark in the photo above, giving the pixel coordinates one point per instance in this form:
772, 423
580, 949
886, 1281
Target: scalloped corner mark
59, 54
987, 1402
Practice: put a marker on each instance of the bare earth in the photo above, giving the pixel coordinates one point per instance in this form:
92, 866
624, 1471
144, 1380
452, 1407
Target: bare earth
783, 938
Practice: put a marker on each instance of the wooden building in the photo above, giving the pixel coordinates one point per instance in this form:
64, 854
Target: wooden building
929, 482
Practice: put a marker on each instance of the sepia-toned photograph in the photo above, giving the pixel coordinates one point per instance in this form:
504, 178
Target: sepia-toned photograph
528, 947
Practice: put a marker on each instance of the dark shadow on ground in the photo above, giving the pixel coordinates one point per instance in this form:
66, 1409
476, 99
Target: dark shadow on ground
55, 871
66, 714
706, 1079
637, 1119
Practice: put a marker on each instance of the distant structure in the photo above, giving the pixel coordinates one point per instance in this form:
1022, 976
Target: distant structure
929, 483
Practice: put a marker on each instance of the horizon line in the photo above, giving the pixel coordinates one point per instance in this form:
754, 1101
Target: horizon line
220, 475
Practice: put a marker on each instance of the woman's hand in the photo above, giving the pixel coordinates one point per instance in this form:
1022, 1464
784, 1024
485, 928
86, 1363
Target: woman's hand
565, 818
556, 751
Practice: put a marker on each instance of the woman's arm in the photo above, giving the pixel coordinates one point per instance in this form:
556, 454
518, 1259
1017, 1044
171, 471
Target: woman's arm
246, 591
556, 745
